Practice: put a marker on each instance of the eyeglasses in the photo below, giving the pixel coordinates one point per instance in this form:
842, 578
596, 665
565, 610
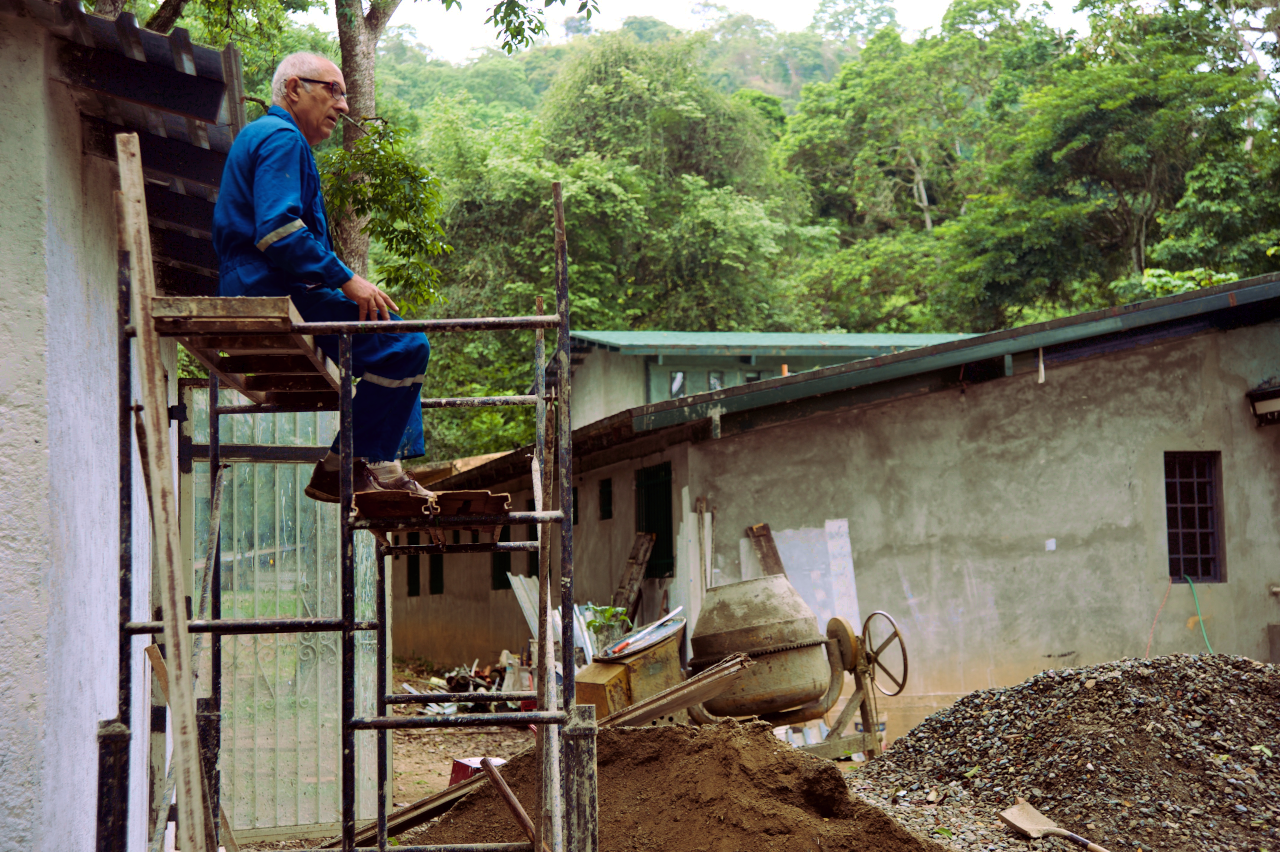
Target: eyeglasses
334, 92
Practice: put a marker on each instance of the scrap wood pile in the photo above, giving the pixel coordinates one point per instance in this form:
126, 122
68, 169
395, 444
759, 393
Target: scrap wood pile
1175, 753
417, 676
723, 787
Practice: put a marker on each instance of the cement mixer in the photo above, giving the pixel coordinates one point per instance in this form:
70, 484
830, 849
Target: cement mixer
798, 673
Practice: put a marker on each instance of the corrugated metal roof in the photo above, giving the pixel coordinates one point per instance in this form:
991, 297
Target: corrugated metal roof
650, 428
182, 99
758, 343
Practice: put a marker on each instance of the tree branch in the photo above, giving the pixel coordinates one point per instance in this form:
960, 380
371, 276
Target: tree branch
379, 15
164, 18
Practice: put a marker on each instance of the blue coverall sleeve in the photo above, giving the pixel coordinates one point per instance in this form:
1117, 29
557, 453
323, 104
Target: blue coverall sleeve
279, 231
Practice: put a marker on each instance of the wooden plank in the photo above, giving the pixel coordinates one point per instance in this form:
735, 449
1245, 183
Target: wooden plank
321, 401
417, 813
697, 689
268, 382
242, 344
627, 594
193, 829
230, 381
260, 365
225, 307
513, 804
306, 344
765, 548
834, 749
179, 326
161, 672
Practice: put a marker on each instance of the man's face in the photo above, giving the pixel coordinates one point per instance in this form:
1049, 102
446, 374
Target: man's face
314, 106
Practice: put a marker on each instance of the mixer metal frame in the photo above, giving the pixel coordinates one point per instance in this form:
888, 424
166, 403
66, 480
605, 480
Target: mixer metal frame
861, 659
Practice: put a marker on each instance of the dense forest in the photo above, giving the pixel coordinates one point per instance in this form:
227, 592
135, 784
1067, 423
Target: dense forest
991, 173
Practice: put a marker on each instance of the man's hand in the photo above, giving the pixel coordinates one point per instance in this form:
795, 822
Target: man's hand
371, 300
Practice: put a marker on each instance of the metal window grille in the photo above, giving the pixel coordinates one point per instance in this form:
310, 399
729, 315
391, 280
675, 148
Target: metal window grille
653, 515
1193, 506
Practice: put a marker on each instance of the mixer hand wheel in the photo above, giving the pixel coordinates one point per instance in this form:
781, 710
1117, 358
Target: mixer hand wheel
877, 658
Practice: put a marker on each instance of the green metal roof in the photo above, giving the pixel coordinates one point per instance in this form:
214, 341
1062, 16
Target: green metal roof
728, 343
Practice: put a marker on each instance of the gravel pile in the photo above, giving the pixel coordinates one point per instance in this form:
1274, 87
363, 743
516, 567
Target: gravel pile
1175, 753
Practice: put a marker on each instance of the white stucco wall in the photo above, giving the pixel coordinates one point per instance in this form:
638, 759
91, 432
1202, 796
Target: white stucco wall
58, 466
606, 383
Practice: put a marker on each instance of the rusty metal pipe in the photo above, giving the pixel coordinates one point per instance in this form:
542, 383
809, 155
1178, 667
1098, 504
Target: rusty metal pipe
815, 709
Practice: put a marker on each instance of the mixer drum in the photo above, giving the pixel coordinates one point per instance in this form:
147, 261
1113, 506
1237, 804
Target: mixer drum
756, 616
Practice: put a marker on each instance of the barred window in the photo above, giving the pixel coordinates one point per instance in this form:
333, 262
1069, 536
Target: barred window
500, 564
1193, 507
412, 569
435, 575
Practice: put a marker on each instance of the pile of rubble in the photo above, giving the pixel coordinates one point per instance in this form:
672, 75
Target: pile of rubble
1175, 753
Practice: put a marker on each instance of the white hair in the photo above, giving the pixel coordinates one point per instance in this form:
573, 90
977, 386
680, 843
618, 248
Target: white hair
296, 65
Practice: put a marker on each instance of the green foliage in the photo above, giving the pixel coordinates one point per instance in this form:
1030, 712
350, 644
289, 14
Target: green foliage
377, 178
648, 106
649, 30
605, 619
519, 22
739, 51
853, 20
768, 106
1228, 218
991, 173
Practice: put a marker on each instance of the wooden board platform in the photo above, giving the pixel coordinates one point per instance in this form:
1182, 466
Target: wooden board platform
399, 506
248, 343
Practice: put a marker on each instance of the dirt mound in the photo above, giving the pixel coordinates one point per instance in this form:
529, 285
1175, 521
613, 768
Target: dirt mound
1173, 753
721, 788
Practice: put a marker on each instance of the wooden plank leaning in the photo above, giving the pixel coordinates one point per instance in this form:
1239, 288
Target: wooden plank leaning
766, 550
162, 496
161, 672
627, 595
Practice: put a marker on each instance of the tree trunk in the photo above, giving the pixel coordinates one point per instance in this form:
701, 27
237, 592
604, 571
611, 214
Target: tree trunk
108, 8
918, 190
358, 34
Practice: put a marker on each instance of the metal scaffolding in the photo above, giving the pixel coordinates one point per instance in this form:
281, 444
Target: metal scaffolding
566, 817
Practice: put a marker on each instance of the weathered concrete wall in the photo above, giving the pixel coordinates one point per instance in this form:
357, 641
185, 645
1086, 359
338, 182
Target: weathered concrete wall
606, 383
58, 590
470, 620
951, 498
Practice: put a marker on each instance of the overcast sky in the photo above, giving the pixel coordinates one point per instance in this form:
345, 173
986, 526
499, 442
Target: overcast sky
457, 34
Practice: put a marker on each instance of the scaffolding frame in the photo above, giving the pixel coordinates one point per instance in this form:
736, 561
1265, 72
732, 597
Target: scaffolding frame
566, 819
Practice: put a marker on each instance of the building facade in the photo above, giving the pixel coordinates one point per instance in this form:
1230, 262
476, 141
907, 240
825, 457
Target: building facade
1017, 501
618, 370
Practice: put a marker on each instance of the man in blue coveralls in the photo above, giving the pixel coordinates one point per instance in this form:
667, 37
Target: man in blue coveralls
272, 237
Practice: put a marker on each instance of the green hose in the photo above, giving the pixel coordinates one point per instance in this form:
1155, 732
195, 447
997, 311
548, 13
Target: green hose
1199, 617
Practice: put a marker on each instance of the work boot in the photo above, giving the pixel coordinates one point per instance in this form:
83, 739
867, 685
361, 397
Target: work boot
324, 483
405, 482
